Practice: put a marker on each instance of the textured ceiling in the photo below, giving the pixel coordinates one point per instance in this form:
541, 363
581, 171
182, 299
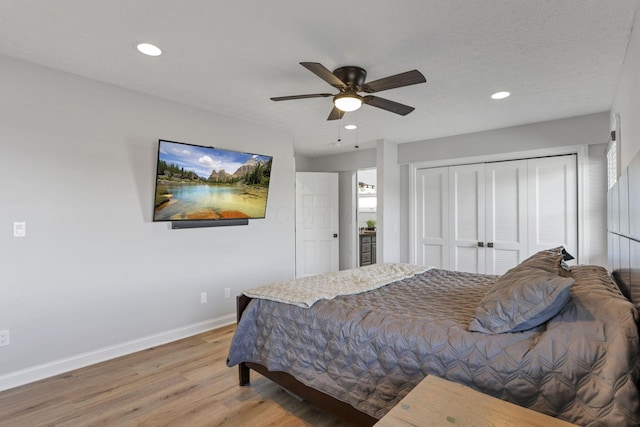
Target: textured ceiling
559, 58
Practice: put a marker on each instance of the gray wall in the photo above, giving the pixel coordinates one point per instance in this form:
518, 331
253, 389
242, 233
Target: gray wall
582, 130
388, 225
626, 101
405, 214
304, 163
349, 161
348, 217
93, 272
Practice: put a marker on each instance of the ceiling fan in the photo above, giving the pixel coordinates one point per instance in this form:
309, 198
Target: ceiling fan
350, 80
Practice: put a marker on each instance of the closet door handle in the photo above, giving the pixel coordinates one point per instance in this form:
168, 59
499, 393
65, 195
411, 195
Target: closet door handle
481, 244
490, 244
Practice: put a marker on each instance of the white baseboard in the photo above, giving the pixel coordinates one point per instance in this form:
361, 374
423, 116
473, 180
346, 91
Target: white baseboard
39, 372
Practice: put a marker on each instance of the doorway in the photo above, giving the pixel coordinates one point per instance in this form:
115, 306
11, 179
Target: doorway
367, 216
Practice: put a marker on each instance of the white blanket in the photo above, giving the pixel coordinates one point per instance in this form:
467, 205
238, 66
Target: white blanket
306, 291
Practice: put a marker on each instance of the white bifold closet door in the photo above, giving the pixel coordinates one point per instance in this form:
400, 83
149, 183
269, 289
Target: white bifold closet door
506, 215
467, 216
553, 204
432, 217
486, 218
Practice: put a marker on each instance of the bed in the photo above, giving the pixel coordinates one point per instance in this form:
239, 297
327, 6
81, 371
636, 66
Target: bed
560, 341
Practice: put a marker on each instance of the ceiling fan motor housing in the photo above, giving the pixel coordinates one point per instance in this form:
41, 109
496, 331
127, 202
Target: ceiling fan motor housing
351, 75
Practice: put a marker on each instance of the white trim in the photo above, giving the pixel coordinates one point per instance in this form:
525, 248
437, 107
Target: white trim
616, 128
348, 222
581, 152
583, 202
412, 214
516, 155
46, 370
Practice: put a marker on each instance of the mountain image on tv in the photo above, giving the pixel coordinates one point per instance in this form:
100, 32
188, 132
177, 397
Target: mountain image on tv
205, 183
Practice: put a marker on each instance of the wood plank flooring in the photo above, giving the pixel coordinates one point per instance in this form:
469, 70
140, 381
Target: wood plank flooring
183, 383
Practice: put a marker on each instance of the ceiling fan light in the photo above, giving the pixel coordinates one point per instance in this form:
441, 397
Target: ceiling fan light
347, 102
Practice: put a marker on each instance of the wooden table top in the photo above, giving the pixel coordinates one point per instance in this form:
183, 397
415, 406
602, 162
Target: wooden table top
438, 402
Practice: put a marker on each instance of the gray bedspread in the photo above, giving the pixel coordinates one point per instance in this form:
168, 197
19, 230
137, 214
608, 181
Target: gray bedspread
371, 349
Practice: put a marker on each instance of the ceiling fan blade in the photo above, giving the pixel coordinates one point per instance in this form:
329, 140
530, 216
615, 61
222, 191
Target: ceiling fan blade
336, 114
324, 73
312, 95
385, 104
399, 80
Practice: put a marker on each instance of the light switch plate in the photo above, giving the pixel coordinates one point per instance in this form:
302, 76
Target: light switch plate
19, 229
4, 338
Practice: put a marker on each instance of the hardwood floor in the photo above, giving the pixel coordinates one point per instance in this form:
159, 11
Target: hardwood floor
184, 383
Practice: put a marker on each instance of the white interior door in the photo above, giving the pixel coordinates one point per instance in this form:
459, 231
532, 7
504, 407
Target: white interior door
317, 244
553, 204
432, 221
506, 215
467, 214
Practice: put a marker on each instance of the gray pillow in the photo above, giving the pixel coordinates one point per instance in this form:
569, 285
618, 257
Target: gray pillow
522, 299
548, 260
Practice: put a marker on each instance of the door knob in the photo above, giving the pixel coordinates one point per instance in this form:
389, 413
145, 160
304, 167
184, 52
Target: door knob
481, 244
335, 235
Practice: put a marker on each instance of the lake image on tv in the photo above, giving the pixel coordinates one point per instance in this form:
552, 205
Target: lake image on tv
203, 201
206, 183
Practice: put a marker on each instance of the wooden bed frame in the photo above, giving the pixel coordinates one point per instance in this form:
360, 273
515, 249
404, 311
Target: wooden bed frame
322, 401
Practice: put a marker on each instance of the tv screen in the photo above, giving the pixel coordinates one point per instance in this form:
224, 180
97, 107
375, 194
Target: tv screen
205, 183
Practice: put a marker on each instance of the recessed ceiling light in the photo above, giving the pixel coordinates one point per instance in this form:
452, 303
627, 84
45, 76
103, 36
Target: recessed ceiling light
149, 49
500, 95
350, 127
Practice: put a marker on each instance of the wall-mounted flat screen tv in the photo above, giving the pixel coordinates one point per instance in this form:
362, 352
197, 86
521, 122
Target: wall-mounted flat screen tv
205, 183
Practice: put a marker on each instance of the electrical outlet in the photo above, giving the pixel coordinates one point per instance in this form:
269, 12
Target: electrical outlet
203, 297
4, 337
227, 292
